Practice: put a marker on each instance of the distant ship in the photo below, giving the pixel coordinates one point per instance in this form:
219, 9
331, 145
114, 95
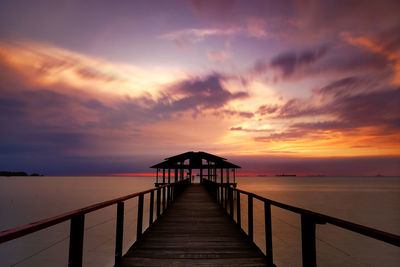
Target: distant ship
283, 174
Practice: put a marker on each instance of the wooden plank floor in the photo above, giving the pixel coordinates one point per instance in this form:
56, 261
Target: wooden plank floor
194, 231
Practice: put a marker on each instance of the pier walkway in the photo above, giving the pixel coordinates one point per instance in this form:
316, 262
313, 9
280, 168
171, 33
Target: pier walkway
194, 231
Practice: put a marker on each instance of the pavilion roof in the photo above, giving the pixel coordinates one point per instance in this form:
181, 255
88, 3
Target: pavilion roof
195, 161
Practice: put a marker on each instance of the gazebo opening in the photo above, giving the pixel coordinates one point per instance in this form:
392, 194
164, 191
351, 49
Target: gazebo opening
195, 164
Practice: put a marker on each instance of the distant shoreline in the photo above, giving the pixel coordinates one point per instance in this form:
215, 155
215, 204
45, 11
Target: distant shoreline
12, 174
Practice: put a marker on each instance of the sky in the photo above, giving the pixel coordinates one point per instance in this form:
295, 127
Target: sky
104, 87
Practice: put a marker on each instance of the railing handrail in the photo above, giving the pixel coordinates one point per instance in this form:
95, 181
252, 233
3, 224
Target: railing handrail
21, 231
322, 218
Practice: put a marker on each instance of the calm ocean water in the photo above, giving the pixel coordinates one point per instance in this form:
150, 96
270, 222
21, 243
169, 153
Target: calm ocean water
371, 201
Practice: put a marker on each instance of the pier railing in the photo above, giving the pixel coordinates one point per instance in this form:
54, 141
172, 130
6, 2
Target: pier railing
224, 195
163, 195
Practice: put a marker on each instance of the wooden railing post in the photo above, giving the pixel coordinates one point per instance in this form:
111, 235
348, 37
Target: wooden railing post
231, 202
221, 195
151, 208
119, 233
268, 233
139, 218
250, 216
163, 199
158, 202
308, 241
217, 192
76, 241
239, 219
226, 199
168, 195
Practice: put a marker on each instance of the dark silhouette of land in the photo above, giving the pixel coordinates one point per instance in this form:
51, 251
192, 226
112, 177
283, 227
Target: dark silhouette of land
9, 173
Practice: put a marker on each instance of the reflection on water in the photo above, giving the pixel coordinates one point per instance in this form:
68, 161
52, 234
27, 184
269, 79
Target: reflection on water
372, 201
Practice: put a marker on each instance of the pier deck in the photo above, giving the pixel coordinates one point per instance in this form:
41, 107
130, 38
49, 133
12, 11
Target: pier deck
194, 231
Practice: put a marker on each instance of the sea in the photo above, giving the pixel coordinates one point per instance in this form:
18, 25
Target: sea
370, 201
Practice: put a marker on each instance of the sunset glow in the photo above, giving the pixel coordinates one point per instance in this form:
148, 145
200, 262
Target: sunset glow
120, 85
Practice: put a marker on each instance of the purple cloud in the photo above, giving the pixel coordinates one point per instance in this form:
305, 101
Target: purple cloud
202, 93
289, 62
338, 88
379, 108
267, 109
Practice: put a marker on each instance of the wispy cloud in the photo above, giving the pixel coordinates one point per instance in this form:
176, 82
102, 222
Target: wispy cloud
184, 38
187, 37
389, 49
218, 56
291, 62
47, 65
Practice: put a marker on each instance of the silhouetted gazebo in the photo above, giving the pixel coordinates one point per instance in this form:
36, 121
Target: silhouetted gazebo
205, 162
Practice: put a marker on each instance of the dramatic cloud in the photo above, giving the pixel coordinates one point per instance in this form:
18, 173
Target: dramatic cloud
262, 77
53, 115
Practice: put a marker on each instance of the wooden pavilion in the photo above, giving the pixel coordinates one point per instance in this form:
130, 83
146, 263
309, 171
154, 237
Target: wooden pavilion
208, 164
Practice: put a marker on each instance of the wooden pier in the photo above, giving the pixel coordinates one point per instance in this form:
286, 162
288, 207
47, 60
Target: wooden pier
194, 231
196, 224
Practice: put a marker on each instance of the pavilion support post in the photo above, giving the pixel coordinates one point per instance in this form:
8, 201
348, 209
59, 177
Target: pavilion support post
222, 176
227, 176
215, 174
182, 172
157, 176
234, 176
201, 175
208, 170
169, 175
190, 174
176, 175
163, 176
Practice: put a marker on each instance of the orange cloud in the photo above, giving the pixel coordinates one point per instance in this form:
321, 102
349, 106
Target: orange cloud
48, 65
377, 46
